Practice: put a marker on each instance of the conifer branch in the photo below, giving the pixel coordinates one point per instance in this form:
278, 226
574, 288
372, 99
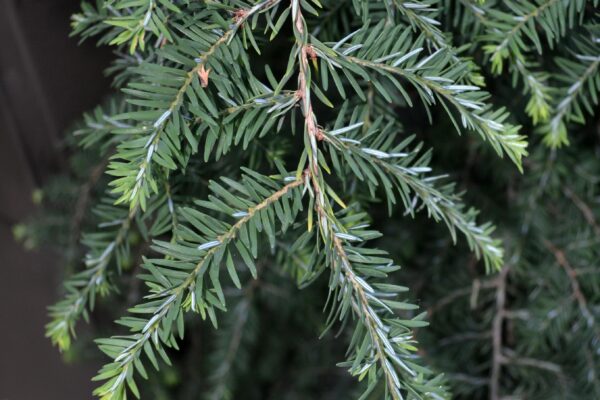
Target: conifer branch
407, 172
510, 31
327, 224
581, 93
521, 23
133, 185
83, 287
420, 15
498, 335
387, 341
423, 17
123, 22
371, 320
221, 375
561, 259
536, 85
311, 127
433, 78
585, 209
191, 74
477, 11
165, 304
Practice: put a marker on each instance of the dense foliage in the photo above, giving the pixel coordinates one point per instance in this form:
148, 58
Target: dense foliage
264, 165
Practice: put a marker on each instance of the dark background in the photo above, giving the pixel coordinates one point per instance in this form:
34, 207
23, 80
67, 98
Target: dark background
46, 81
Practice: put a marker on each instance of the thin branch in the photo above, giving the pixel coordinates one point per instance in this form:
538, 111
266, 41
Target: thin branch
562, 260
83, 201
522, 22
82, 287
224, 368
128, 356
371, 318
241, 16
587, 212
466, 291
532, 362
497, 335
463, 337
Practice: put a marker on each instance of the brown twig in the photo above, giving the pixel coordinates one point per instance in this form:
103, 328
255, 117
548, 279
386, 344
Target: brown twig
242, 310
466, 291
512, 358
587, 212
497, 334
562, 260
81, 205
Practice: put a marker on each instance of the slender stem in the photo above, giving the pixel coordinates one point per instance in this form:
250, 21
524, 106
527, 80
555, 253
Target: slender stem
241, 16
79, 298
497, 335
585, 209
573, 92
310, 120
431, 32
127, 356
562, 260
523, 20
83, 201
225, 367
365, 312
439, 204
466, 291
475, 119
321, 206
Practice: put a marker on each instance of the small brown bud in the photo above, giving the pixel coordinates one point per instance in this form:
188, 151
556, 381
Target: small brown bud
203, 74
319, 135
240, 15
310, 52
